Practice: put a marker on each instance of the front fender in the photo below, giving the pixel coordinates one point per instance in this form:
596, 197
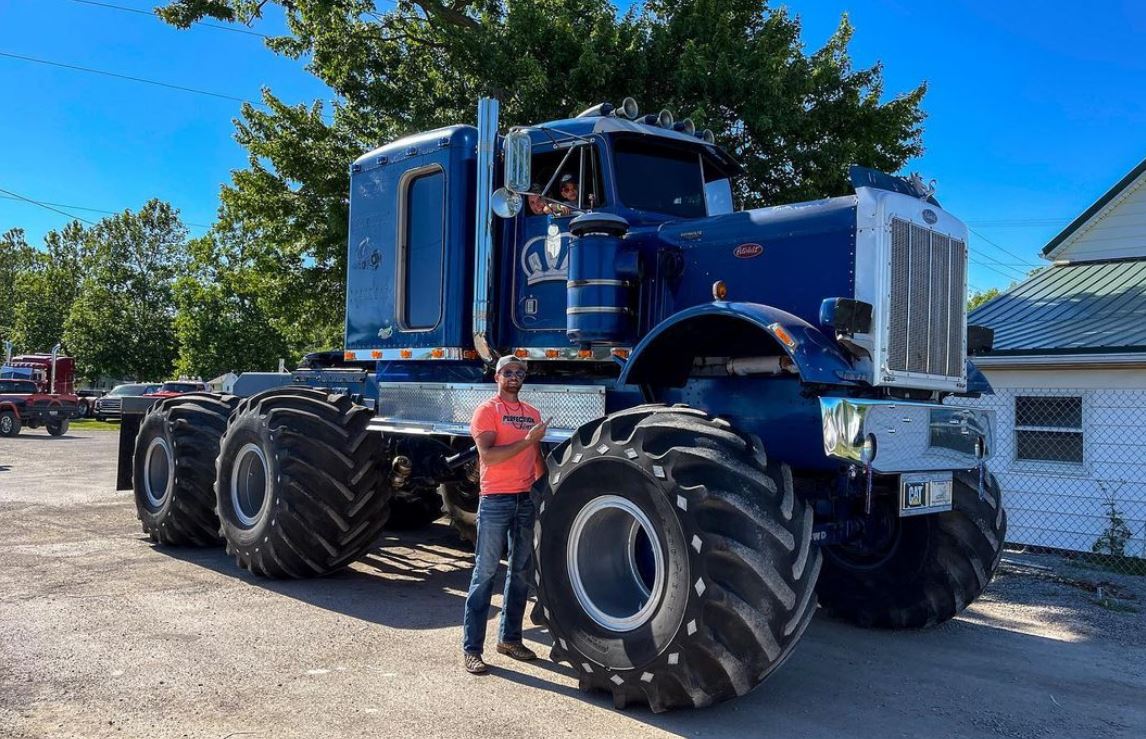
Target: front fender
722, 329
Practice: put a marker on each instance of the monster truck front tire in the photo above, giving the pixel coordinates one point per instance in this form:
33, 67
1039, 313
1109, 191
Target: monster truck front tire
929, 570
174, 468
299, 483
674, 563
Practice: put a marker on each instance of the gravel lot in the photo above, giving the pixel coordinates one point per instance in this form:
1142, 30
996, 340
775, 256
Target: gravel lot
102, 634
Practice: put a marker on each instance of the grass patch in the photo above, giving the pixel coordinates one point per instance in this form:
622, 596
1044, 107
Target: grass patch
90, 424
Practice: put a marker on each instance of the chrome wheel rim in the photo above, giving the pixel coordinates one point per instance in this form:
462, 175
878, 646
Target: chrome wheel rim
158, 472
250, 484
615, 563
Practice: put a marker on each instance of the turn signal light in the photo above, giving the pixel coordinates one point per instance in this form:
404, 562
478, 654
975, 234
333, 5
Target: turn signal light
719, 290
782, 334
376, 354
348, 356
584, 353
622, 353
551, 353
521, 353
406, 353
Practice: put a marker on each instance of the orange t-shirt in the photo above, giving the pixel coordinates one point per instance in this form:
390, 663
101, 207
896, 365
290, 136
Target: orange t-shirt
511, 422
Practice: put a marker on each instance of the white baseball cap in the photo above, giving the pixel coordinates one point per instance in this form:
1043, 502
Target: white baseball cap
509, 359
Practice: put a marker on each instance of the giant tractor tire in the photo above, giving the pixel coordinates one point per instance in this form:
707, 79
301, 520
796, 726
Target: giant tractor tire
926, 569
674, 562
414, 510
300, 484
174, 468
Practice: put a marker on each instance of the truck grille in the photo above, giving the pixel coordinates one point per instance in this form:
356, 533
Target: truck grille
928, 290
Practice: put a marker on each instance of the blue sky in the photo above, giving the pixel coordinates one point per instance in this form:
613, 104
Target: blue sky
1035, 108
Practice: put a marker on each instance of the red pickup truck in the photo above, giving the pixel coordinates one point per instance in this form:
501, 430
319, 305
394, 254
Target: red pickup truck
22, 404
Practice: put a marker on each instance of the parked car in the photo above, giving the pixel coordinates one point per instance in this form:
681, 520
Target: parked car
179, 387
24, 404
108, 406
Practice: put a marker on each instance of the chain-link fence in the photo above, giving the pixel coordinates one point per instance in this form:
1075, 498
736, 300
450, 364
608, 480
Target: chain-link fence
1072, 466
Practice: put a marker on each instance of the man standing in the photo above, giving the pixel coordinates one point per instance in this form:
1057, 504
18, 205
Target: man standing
508, 435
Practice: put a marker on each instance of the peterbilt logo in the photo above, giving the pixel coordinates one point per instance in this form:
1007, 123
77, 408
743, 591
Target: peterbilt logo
748, 251
929, 216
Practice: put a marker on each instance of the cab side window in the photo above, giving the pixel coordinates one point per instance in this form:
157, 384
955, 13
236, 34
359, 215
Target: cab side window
421, 248
569, 176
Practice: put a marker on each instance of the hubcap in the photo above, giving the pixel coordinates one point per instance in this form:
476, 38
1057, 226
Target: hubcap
615, 563
6, 424
158, 472
250, 484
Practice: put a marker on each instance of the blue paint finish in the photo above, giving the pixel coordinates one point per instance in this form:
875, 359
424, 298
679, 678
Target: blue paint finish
373, 277
976, 381
774, 408
791, 237
665, 354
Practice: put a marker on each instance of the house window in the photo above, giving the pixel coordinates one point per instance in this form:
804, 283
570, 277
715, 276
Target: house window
421, 250
1048, 428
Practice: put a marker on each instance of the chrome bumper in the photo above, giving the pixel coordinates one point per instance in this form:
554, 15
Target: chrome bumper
905, 436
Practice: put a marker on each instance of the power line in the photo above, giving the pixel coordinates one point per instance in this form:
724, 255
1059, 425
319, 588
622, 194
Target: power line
17, 196
105, 73
992, 243
45, 203
138, 11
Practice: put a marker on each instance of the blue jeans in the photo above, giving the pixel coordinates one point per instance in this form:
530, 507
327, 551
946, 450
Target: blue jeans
502, 519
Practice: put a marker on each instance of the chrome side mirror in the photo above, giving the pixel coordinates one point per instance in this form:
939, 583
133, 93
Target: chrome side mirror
518, 149
505, 204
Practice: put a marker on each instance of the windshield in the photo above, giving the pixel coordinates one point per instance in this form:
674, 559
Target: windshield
181, 387
17, 386
659, 179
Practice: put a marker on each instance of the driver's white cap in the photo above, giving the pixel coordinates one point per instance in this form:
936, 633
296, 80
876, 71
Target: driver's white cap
509, 359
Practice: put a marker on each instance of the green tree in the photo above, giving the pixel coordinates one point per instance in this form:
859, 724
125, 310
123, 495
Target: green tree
122, 321
16, 257
796, 120
47, 286
978, 297
220, 322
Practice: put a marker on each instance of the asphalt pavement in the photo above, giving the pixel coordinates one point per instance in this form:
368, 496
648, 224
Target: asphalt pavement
104, 634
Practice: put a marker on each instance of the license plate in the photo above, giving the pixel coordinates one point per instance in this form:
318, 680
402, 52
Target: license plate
925, 492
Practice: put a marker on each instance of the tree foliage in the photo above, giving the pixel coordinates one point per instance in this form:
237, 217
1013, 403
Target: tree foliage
122, 321
978, 297
794, 119
16, 258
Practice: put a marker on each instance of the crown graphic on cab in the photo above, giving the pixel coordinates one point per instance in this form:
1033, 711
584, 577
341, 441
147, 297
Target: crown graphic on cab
546, 258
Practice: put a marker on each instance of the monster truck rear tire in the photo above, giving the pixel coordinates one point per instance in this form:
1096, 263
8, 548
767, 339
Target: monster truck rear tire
300, 484
460, 501
174, 468
415, 510
57, 428
932, 567
9, 424
674, 563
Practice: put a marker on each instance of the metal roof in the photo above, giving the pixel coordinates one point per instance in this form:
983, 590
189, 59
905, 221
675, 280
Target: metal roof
1083, 308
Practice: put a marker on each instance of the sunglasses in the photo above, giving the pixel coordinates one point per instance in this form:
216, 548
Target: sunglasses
513, 373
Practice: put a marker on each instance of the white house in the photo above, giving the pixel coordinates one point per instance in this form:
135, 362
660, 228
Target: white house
1069, 372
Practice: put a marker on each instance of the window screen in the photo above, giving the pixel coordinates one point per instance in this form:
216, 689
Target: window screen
423, 250
1048, 428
